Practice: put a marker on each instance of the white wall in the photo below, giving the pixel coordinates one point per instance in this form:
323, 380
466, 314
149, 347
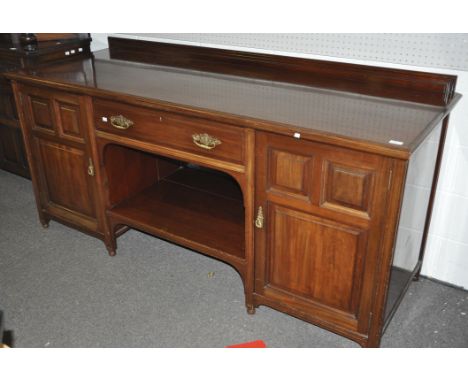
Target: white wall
446, 255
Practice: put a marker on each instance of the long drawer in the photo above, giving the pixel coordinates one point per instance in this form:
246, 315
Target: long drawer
195, 135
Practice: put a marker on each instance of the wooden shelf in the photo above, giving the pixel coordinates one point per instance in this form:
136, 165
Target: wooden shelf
199, 209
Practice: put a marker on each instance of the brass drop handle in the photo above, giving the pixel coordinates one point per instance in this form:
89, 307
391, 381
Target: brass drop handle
260, 218
120, 122
205, 141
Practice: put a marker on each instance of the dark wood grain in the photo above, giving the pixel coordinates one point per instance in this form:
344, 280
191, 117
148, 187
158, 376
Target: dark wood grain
346, 119
127, 172
177, 209
172, 130
63, 166
317, 252
430, 88
330, 199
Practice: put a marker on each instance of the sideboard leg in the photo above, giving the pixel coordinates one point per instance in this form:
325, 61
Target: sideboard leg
111, 246
44, 221
111, 241
372, 342
250, 309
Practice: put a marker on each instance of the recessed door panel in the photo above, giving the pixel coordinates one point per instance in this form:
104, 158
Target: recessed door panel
314, 258
65, 173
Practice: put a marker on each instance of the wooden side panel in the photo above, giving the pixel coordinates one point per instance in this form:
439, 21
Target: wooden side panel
127, 171
7, 101
12, 155
9, 148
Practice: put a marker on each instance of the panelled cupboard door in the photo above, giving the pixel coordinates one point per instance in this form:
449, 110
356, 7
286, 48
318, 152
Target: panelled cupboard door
67, 190
62, 161
319, 245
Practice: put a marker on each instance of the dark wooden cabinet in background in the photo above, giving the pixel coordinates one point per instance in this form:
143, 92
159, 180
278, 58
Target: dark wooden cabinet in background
303, 189
15, 53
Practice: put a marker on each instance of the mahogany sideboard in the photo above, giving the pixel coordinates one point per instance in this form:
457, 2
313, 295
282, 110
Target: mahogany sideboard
313, 179
15, 53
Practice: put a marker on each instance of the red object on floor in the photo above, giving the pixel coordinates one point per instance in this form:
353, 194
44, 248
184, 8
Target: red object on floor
253, 344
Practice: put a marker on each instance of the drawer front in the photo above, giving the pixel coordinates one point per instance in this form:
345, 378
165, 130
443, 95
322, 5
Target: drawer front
191, 134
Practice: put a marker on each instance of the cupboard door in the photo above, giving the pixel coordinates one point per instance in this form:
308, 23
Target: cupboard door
57, 133
67, 188
318, 248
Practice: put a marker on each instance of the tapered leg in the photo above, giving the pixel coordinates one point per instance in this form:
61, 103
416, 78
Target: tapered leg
250, 309
112, 251
250, 303
44, 221
111, 241
373, 341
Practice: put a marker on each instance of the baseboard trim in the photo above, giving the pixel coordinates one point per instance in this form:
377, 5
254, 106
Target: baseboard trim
444, 283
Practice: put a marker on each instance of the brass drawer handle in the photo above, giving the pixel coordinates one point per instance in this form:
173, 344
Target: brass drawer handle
205, 141
120, 122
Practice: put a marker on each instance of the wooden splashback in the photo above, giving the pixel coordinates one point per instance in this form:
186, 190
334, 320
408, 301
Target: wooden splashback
422, 87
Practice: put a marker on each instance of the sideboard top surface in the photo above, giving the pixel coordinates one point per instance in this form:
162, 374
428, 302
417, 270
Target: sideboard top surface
253, 102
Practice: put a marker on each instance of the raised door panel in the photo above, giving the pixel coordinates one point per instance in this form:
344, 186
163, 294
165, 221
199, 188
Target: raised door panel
42, 113
347, 188
69, 120
290, 173
314, 258
56, 114
67, 184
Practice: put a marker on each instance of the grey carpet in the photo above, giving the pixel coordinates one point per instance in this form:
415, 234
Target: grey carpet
59, 288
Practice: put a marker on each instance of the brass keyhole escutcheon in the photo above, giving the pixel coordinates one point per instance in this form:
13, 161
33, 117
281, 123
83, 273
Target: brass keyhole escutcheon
260, 218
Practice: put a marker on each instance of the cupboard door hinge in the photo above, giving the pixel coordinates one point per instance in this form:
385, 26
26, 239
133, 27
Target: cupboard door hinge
90, 168
390, 179
259, 219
